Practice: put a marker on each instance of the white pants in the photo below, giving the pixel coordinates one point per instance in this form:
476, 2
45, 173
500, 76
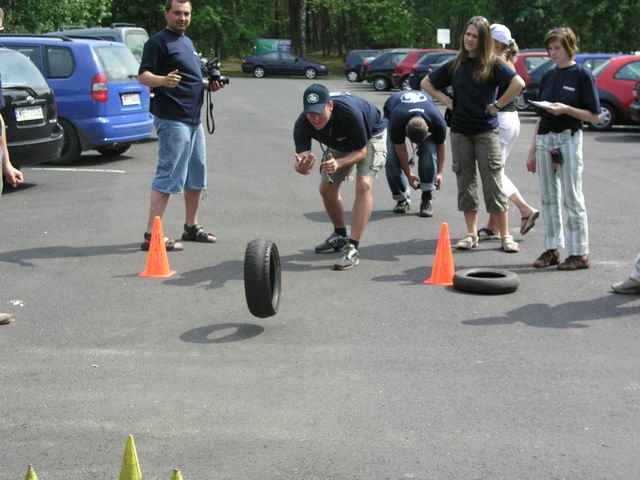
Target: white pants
509, 125
635, 274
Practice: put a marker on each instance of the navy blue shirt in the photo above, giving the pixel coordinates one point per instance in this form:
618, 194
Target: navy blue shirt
353, 122
471, 100
572, 86
163, 53
403, 106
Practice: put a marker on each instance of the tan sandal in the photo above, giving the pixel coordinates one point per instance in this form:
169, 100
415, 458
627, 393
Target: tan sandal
468, 242
509, 245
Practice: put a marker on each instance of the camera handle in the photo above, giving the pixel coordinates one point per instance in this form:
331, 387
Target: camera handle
211, 124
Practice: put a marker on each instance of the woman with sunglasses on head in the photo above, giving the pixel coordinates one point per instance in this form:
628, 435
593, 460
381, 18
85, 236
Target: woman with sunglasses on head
475, 74
509, 125
570, 97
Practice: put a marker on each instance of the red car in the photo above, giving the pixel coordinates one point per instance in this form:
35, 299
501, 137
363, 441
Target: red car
615, 80
527, 60
400, 77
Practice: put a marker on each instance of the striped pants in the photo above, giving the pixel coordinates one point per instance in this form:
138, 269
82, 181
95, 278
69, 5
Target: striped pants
562, 180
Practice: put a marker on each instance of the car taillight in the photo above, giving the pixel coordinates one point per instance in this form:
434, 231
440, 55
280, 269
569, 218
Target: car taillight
99, 88
244, 62
54, 111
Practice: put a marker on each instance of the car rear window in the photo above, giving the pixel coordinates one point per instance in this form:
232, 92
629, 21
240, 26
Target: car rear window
59, 60
135, 42
631, 71
534, 61
18, 71
598, 70
118, 63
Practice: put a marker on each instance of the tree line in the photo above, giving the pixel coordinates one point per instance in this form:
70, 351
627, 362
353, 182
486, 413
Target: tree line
333, 27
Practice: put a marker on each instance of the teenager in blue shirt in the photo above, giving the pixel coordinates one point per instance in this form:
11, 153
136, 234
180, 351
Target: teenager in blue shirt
352, 135
556, 151
412, 114
475, 74
171, 66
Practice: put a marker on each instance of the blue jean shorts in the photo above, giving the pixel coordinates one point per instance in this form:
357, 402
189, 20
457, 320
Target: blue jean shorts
182, 162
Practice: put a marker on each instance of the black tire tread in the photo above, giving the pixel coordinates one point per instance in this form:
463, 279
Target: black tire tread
505, 281
261, 300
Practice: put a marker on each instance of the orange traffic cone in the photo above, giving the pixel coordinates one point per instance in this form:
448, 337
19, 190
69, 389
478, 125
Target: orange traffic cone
157, 261
443, 269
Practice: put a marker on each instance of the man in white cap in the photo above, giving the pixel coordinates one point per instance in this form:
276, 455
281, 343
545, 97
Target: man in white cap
352, 135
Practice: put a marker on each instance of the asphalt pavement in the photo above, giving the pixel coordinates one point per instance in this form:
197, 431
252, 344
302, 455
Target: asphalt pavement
362, 374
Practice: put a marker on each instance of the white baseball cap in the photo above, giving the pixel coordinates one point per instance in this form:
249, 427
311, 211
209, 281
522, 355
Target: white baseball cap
501, 33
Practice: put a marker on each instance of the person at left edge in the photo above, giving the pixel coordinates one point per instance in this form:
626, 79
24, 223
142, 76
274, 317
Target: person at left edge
171, 66
353, 136
413, 114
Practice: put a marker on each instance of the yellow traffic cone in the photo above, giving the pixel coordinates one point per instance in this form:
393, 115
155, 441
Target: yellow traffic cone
31, 474
176, 475
130, 466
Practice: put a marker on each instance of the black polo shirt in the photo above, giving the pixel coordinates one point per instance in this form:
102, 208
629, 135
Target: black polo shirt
353, 122
163, 53
404, 105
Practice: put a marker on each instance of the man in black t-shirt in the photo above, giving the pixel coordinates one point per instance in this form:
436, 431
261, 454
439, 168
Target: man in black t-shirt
412, 114
171, 66
352, 135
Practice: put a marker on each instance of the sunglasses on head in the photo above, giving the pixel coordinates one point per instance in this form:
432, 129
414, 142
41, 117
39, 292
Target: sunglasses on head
479, 19
558, 31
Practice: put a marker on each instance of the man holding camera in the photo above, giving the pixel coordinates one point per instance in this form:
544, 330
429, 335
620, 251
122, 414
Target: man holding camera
352, 135
171, 66
412, 114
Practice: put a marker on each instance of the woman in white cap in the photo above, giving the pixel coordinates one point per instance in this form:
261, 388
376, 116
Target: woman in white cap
509, 124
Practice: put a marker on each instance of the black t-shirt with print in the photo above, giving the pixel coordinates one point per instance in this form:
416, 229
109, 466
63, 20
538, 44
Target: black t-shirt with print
403, 106
573, 86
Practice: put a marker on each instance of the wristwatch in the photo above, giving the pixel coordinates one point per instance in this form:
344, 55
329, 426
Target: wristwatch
495, 104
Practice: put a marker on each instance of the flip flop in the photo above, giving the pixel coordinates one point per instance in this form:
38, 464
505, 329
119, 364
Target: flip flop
527, 223
487, 234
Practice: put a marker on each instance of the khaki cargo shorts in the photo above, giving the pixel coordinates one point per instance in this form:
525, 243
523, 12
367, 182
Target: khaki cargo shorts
373, 161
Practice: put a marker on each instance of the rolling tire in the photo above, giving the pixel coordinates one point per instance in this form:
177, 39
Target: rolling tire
486, 281
310, 73
114, 150
259, 72
607, 118
262, 280
71, 148
353, 77
380, 84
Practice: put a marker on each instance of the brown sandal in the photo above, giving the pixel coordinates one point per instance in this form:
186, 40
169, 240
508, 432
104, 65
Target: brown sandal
196, 233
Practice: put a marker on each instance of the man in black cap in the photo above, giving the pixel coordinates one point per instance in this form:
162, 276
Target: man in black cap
352, 136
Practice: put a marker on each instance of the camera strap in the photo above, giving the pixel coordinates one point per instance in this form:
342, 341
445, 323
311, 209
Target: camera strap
211, 124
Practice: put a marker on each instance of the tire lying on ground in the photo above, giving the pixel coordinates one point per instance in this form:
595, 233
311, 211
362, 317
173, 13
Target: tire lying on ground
486, 281
262, 278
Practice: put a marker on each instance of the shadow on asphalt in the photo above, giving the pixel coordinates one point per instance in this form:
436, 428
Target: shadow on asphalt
21, 257
322, 217
234, 333
565, 315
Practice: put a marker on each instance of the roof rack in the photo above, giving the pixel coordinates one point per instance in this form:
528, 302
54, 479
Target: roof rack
70, 27
116, 25
37, 35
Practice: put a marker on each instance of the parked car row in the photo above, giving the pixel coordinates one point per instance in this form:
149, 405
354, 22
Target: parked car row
99, 103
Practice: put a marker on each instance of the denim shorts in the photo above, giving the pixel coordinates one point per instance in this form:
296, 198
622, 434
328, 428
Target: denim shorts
182, 162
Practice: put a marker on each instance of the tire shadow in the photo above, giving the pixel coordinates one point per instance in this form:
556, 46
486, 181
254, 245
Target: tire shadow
209, 333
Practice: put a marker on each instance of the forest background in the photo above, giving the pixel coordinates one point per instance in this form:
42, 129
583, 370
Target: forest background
330, 28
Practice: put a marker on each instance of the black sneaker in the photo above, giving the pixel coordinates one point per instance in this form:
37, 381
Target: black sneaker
349, 258
426, 208
334, 243
402, 206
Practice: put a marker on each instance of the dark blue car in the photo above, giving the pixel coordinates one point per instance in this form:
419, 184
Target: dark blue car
101, 105
353, 64
282, 63
427, 65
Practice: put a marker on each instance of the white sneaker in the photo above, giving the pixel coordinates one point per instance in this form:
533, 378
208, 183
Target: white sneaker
349, 259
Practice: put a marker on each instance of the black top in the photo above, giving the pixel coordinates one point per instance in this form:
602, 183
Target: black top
163, 53
353, 122
404, 105
471, 99
573, 86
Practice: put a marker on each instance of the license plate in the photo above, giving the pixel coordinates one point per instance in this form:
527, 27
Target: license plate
130, 99
24, 114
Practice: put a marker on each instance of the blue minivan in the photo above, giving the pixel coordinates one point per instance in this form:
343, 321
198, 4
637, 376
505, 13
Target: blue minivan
100, 103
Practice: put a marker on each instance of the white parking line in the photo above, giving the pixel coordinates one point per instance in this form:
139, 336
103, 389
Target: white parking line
94, 170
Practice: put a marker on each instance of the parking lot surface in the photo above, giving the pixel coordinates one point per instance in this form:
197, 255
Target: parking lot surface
363, 374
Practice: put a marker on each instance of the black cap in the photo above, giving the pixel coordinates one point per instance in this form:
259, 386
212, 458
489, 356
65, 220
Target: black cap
315, 98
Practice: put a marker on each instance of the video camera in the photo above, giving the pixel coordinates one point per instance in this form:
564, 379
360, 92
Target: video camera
212, 68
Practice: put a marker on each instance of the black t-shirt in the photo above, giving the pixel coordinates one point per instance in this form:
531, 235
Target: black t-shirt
353, 122
163, 53
404, 105
573, 86
471, 99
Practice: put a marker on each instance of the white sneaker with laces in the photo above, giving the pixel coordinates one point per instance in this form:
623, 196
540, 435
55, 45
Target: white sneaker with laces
349, 259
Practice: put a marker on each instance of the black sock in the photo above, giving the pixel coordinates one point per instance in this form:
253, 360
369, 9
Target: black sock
426, 195
341, 231
353, 242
